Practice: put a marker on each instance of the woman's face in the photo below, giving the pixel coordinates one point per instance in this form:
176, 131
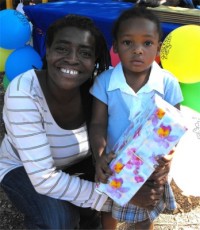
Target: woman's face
71, 58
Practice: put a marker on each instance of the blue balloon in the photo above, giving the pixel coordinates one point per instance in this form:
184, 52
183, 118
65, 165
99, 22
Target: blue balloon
21, 60
15, 30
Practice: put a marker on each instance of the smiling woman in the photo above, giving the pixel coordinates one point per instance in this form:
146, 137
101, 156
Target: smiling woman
46, 168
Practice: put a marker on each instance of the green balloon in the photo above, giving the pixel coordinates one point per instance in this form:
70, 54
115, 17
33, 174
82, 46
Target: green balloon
6, 82
191, 94
4, 53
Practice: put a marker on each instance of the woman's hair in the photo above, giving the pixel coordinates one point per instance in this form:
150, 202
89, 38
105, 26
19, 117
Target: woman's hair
83, 23
136, 12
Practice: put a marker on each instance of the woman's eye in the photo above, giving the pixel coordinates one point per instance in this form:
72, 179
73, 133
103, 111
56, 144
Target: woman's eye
148, 43
62, 49
86, 54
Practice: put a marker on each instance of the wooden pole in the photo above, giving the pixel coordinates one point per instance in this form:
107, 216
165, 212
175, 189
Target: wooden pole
9, 4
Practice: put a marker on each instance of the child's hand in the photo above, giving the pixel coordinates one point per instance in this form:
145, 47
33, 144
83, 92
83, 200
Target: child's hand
147, 196
166, 159
160, 175
102, 167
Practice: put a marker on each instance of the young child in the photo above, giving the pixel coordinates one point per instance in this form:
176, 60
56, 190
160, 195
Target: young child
117, 92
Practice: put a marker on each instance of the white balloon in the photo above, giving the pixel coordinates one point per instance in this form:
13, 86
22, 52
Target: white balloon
185, 168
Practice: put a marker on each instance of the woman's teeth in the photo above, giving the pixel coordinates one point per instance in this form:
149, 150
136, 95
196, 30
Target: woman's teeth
72, 72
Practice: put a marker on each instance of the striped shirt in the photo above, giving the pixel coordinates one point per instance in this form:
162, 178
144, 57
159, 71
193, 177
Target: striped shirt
35, 141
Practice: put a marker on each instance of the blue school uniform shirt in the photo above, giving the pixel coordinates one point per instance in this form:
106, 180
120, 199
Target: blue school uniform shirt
123, 103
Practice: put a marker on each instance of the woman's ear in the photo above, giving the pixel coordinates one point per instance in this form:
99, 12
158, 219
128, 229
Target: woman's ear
47, 51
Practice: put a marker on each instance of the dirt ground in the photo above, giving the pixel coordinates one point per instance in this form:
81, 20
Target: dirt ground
186, 217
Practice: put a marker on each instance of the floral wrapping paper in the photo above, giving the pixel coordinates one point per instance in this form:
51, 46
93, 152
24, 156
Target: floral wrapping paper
152, 133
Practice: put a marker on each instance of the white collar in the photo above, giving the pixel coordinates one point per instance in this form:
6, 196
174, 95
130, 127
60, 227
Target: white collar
155, 82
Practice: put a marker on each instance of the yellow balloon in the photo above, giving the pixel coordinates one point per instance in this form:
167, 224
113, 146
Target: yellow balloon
180, 53
4, 53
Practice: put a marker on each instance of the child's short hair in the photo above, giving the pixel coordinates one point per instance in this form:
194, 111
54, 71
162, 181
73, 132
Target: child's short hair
137, 12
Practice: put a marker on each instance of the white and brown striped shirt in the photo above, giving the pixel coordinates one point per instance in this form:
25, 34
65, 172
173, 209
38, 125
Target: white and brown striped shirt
35, 141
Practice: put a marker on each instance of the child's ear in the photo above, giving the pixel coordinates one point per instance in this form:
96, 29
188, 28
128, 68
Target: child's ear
159, 47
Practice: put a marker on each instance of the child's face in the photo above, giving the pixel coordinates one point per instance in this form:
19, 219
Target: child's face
137, 44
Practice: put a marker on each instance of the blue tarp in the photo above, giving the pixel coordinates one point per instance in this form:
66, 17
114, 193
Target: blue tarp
103, 12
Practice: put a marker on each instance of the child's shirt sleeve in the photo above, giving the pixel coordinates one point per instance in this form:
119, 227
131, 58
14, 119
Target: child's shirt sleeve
172, 90
100, 86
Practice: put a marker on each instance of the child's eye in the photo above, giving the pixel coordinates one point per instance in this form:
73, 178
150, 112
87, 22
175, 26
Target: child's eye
127, 43
148, 43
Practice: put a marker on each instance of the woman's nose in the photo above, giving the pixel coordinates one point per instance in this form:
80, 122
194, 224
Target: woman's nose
72, 56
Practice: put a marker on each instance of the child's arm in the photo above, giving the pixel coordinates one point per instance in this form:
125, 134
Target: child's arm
98, 128
98, 135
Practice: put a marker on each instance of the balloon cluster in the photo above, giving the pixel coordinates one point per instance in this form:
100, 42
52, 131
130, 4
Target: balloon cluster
17, 56
185, 168
180, 54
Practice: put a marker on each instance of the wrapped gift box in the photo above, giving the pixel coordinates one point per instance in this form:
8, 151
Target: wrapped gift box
152, 133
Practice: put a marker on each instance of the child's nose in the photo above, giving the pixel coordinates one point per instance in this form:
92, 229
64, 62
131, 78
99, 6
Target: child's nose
137, 49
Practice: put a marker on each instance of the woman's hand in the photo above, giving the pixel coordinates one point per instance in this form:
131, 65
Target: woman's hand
103, 172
